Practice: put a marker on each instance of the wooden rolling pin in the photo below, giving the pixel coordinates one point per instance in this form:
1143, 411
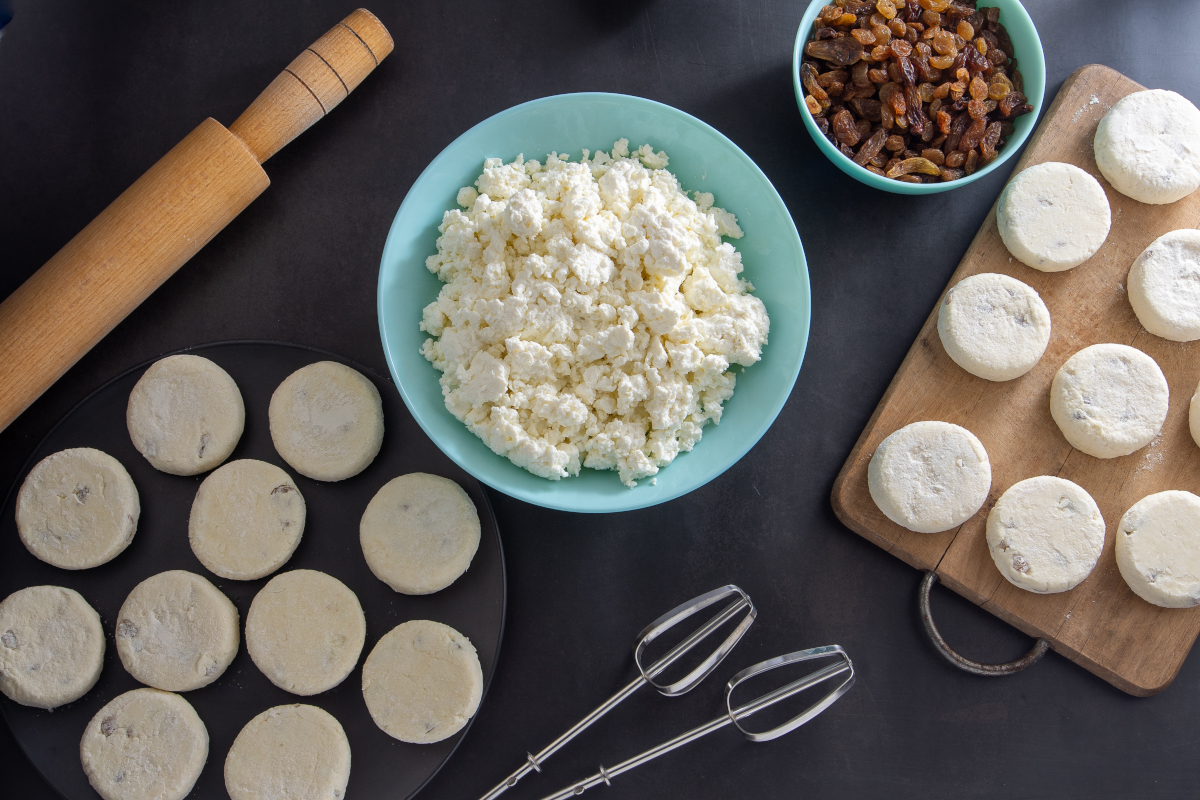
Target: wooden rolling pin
172, 211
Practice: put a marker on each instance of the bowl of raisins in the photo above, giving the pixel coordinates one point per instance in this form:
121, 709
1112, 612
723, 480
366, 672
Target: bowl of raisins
918, 96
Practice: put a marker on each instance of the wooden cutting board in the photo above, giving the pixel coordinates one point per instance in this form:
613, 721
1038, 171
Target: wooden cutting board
1101, 624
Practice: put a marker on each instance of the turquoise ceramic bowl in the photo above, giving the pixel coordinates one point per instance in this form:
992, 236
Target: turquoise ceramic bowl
704, 160
1027, 48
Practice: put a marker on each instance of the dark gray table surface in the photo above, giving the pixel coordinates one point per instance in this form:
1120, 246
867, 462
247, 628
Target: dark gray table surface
91, 94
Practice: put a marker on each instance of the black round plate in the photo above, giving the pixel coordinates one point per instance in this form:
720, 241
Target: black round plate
474, 604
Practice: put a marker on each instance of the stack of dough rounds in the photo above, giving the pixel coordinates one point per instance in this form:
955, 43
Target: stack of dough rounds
994, 326
77, 508
1053, 216
51, 646
305, 631
246, 520
930, 476
327, 421
1109, 400
177, 632
1045, 534
422, 682
1148, 146
292, 752
185, 415
419, 533
1158, 549
1164, 286
144, 745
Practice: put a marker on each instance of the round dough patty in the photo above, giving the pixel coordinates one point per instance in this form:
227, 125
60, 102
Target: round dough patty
1158, 549
295, 752
1053, 216
1164, 286
994, 326
51, 646
305, 631
1194, 417
144, 745
930, 476
1045, 534
419, 533
185, 415
422, 682
1148, 146
246, 520
327, 421
77, 509
177, 632
1109, 400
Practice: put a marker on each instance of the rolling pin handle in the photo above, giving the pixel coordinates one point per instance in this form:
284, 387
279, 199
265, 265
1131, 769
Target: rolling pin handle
313, 84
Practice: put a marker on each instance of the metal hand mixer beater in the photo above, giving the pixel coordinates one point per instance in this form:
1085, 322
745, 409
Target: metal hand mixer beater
740, 602
734, 716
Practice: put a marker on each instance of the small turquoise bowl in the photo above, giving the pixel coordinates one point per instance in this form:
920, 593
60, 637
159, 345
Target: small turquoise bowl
1031, 61
704, 160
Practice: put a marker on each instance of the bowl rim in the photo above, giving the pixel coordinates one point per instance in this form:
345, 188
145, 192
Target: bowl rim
864, 175
604, 504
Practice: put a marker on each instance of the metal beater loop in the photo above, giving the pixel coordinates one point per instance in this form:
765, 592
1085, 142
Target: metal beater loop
741, 603
842, 666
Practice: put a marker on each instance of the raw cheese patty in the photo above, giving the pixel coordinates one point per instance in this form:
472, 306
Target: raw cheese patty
305, 631
144, 745
51, 646
177, 632
1194, 417
77, 508
1158, 549
930, 476
246, 520
295, 752
422, 682
1109, 400
1053, 216
327, 421
419, 533
1164, 286
185, 415
1045, 534
994, 326
1148, 146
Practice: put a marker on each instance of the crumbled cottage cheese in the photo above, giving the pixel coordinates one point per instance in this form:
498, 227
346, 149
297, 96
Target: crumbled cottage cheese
591, 312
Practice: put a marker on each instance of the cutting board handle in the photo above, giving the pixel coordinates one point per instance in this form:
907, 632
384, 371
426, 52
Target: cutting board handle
316, 81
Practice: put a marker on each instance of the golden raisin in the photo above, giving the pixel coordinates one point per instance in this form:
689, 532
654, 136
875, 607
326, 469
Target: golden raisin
886, 8
863, 37
978, 89
901, 48
883, 34
812, 105
941, 62
898, 28
965, 30
934, 156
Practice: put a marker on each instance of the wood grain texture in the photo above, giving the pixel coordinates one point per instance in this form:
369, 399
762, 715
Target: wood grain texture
1101, 624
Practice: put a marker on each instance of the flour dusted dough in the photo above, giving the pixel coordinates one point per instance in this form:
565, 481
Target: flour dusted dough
422, 682
1045, 534
177, 632
1053, 216
294, 752
185, 415
305, 631
1148, 146
419, 533
246, 520
994, 326
1164, 286
1194, 417
930, 476
51, 646
1158, 549
1109, 400
327, 421
77, 508
144, 745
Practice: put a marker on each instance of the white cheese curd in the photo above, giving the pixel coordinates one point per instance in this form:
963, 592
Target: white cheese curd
591, 312
1164, 286
1158, 549
1053, 216
1148, 146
